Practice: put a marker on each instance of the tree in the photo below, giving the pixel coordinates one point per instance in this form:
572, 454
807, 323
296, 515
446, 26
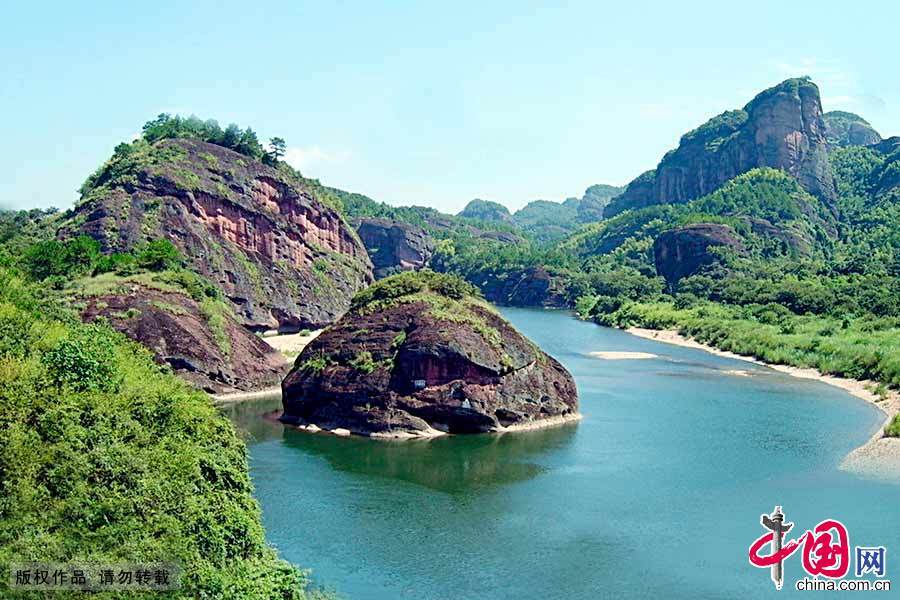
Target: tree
249, 144
159, 255
277, 148
232, 136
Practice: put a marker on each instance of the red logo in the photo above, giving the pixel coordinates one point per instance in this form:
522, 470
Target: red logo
826, 548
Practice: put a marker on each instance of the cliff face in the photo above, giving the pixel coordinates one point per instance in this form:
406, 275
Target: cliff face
395, 246
283, 258
211, 351
533, 286
411, 358
783, 128
683, 251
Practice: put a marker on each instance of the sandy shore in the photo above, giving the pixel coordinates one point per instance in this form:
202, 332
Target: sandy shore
606, 355
431, 433
291, 344
272, 392
540, 423
879, 457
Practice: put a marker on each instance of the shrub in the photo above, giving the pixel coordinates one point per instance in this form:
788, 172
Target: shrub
893, 428
51, 258
363, 362
159, 255
83, 361
409, 283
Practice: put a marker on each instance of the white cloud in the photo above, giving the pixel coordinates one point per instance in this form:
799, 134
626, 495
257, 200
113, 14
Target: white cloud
313, 156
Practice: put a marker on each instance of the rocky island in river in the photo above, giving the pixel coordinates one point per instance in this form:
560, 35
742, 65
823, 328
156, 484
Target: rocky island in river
421, 354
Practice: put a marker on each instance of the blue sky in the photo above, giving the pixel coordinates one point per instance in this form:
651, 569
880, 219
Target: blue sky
421, 103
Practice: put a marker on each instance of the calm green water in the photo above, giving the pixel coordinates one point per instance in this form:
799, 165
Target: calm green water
656, 493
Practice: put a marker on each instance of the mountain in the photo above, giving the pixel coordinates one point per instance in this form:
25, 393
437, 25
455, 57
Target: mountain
782, 127
486, 210
546, 221
283, 258
848, 129
421, 353
589, 208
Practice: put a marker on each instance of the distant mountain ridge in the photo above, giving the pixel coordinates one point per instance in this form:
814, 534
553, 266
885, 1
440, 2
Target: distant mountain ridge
848, 129
546, 220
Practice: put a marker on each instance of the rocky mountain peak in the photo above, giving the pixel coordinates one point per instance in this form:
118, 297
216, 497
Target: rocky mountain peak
282, 257
782, 127
486, 210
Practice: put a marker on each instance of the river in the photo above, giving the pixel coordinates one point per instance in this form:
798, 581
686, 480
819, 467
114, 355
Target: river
656, 493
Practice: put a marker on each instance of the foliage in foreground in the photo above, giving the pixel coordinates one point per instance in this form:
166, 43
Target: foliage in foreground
106, 457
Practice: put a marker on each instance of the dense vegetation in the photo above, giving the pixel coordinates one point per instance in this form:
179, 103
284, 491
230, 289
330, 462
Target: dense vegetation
243, 141
106, 456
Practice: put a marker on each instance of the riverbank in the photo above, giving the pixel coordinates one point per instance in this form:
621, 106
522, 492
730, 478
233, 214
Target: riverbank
878, 457
290, 345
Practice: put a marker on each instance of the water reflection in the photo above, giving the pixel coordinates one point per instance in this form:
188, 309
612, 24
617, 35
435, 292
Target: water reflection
248, 418
448, 464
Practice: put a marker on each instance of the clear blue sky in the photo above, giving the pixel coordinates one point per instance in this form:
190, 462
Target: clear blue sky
426, 103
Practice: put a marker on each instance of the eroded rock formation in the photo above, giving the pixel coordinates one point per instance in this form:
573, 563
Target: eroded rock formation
417, 354
684, 251
282, 257
211, 351
782, 127
395, 246
533, 286
848, 129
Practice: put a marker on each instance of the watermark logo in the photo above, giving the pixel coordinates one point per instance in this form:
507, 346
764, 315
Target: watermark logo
870, 560
94, 577
825, 555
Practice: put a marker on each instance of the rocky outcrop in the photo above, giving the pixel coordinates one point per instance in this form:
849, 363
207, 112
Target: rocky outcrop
283, 258
847, 129
782, 127
394, 246
791, 241
418, 353
684, 251
204, 345
533, 286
